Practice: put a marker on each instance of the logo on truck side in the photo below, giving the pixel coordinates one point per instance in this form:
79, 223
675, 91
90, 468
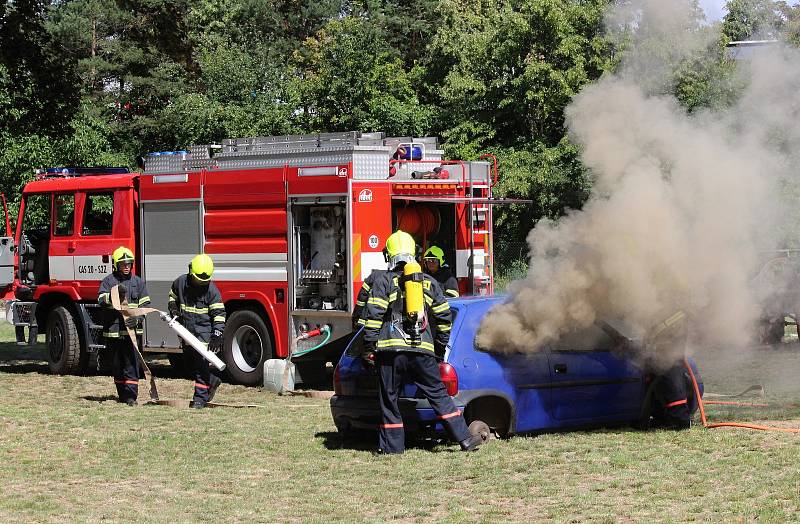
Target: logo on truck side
374, 241
365, 195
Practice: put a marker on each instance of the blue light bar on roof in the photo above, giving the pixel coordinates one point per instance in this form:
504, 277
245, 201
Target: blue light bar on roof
167, 153
77, 171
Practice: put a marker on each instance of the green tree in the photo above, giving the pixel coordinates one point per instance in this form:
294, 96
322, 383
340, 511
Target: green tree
44, 91
350, 78
754, 19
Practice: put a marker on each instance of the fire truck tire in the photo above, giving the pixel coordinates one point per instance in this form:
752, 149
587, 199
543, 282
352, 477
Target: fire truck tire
247, 344
64, 344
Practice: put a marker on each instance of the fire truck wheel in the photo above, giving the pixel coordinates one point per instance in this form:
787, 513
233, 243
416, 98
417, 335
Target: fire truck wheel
63, 343
246, 346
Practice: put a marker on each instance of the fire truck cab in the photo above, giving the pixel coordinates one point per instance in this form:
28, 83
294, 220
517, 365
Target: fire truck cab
294, 225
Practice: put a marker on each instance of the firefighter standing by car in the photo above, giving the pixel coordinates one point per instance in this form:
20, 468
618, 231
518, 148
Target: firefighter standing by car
435, 266
125, 360
401, 303
198, 303
363, 296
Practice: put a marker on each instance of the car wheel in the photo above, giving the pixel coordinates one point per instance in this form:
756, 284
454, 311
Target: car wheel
492, 411
479, 427
247, 344
63, 343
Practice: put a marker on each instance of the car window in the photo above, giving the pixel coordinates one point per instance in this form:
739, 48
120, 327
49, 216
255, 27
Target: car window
65, 215
37, 213
98, 214
592, 338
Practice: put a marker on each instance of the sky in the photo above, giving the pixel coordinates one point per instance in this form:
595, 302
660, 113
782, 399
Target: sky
713, 8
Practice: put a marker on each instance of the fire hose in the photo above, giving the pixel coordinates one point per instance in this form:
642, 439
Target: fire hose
701, 407
172, 322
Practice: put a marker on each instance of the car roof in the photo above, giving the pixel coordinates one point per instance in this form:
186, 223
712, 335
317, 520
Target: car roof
479, 300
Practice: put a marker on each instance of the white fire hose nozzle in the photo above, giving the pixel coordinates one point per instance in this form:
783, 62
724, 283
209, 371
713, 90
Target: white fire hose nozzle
193, 341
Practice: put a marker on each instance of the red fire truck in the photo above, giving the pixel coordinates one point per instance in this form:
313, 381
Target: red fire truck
294, 225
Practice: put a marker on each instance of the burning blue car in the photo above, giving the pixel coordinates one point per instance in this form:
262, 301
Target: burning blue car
581, 381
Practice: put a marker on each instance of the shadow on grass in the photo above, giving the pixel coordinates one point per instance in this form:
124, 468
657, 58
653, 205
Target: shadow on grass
364, 440
101, 398
23, 359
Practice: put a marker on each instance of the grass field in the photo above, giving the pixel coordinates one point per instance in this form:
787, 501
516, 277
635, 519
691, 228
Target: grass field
68, 452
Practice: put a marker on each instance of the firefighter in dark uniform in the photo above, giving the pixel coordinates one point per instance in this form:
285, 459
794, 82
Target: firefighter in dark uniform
433, 260
198, 303
125, 361
667, 345
363, 295
404, 345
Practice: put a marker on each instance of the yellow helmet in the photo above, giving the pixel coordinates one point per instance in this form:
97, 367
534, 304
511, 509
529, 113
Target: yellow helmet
121, 254
201, 267
436, 253
400, 247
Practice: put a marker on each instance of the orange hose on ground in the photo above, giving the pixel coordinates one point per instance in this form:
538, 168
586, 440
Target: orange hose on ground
726, 424
727, 403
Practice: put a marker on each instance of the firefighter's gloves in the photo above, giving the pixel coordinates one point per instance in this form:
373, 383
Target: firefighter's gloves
215, 343
132, 322
173, 310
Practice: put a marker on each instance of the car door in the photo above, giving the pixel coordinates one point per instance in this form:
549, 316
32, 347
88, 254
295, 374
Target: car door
529, 378
91, 252
524, 378
62, 239
590, 382
6, 251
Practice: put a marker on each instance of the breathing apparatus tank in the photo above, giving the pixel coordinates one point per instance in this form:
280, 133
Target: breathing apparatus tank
414, 318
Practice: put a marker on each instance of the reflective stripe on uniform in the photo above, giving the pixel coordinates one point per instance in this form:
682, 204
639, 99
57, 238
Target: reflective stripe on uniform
216, 305
104, 296
444, 306
428, 300
373, 323
361, 303
361, 322
144, 300
136, 382
393, 296
392, 426
378, 302
218, 319
201, 386
676, 403
443, 327
198, 310
450, 415
366, 286
452, 292
400, 342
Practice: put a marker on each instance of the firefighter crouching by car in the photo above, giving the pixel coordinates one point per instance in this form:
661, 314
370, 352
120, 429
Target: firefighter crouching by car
435, 266
402, 304
198, 303
666, 346
125, 361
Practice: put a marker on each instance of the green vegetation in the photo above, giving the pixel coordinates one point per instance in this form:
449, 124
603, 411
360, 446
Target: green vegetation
69, 452
98, 82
